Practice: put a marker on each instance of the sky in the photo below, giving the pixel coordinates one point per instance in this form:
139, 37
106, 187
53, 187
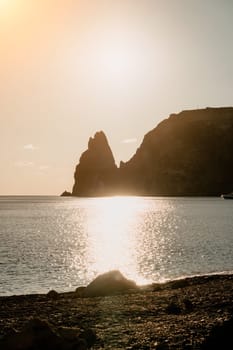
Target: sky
69, 68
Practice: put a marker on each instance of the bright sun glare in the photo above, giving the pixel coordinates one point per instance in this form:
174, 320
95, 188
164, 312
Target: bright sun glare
7, 7
117, 60
112, 236
4, 4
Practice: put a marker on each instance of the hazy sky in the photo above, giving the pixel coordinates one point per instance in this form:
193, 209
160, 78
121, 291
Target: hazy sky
69, 68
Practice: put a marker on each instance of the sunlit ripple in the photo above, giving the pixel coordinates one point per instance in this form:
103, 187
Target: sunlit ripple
112, 236
62, 243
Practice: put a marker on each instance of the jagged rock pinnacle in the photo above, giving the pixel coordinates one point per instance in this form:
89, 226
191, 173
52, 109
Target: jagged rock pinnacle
96, 171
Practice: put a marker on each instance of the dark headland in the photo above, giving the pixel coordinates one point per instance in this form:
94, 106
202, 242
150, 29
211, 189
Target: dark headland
113, 313
188, 154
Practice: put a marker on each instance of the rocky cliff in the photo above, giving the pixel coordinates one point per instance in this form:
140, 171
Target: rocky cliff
190, 153
95, 174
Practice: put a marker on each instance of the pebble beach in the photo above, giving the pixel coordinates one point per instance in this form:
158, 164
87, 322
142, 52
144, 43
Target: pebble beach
181, 314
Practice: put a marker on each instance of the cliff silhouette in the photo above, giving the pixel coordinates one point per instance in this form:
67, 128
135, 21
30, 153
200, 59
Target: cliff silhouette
95, 174
188, 154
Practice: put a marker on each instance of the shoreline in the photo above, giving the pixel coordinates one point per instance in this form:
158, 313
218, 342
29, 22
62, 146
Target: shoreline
141, 286
179, 314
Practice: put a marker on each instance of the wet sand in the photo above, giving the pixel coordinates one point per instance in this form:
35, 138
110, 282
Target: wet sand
175, 315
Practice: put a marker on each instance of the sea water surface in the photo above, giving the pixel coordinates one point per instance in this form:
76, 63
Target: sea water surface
61, 243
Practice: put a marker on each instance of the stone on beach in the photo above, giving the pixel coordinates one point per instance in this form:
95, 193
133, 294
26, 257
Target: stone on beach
39, 334
221, 337
52, 294
109, 283
35, 334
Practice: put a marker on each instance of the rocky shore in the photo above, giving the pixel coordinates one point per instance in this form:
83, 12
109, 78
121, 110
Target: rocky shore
193, 313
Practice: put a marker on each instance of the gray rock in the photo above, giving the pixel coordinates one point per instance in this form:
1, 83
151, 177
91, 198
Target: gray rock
109, 283
52, 294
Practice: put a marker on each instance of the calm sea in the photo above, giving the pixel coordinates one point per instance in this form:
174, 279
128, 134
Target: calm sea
62, 243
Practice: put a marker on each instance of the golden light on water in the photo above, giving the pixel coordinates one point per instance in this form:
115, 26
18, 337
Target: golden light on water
112, 236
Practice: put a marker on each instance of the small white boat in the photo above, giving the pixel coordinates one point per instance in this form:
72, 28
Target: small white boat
227, 195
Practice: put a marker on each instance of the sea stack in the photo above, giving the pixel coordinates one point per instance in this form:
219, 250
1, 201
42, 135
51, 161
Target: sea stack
95, 175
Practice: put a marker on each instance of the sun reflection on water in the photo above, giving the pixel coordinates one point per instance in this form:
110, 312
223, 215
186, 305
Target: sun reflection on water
63, 243
112, 236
